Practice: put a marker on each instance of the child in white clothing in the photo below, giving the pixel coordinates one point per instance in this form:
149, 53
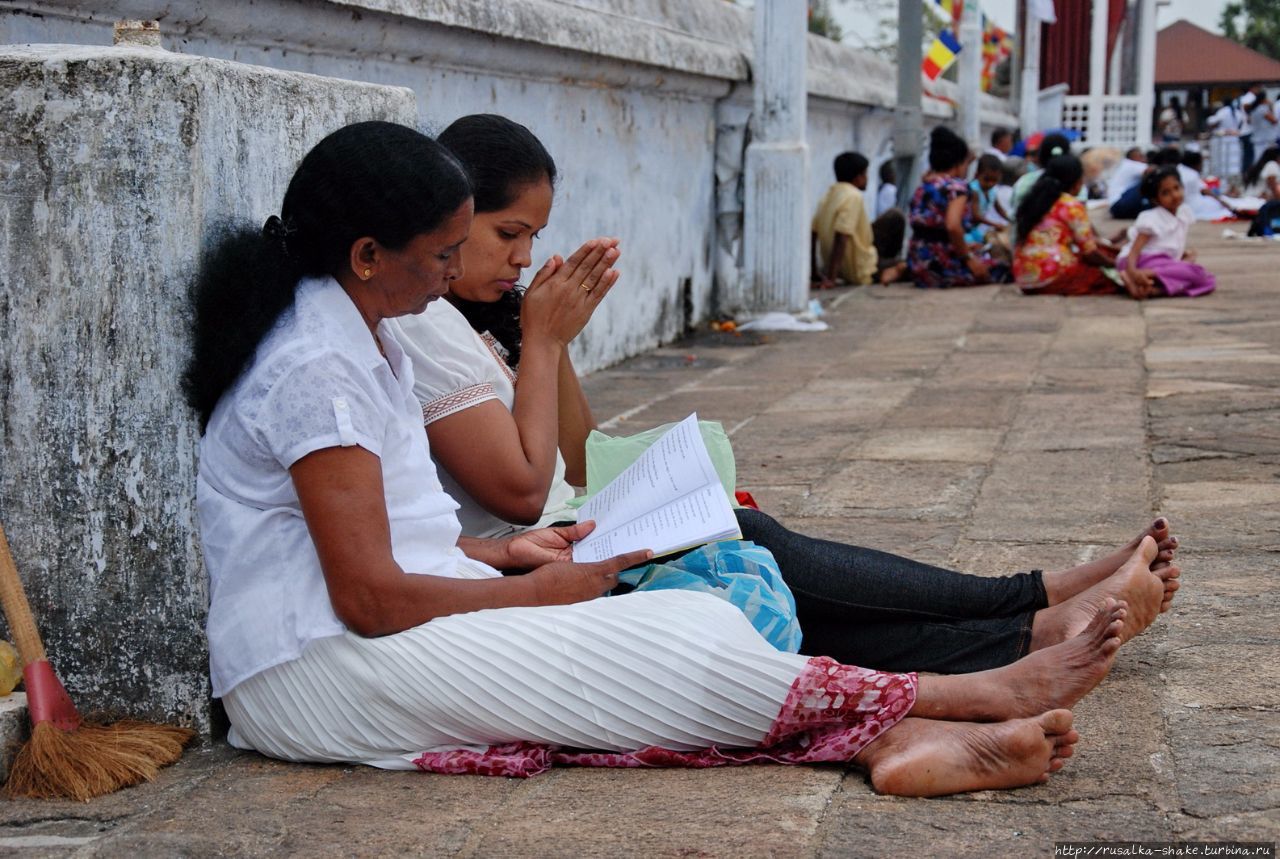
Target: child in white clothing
1155, 260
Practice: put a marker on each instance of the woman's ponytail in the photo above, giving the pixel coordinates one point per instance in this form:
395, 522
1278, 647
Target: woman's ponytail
1061, 174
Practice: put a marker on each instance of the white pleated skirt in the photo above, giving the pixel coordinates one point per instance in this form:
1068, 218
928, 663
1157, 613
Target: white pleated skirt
673, 669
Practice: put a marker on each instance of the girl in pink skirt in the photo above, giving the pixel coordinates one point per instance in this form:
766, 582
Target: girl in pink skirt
1155, 260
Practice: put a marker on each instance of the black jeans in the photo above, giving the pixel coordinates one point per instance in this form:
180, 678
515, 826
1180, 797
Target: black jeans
870, 608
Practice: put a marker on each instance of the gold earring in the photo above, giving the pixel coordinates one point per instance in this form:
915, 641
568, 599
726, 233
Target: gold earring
368, 272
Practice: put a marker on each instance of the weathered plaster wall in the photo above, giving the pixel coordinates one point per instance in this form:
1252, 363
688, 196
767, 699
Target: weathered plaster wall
627, 94
114, 164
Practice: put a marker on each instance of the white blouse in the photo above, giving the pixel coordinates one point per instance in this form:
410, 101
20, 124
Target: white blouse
317, 381
1167, 232
455, 368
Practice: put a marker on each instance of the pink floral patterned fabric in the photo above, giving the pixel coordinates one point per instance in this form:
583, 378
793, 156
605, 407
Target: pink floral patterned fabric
831, 713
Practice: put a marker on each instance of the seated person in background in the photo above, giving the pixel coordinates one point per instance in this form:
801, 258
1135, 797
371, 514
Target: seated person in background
1001, 143
1051, 146
1204, 204
938, 255
887, 196
989, 218
1156, 258
1263, 180
842, 243
1131, 202
1011, 171
1057, 252
1127, 174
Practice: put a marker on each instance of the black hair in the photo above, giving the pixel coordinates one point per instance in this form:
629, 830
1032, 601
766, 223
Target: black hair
1152, 155
888, 233
1254, 173
1000, 134
850, 165
374, 179
1169, 155
1193, 159
1059, 176
1150, 185
1010, 169
1134, 150
501, 157
989, 163
946, 149
1052, 146
888, 173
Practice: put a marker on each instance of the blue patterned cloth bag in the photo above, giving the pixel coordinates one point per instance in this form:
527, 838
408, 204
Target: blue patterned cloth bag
737, 571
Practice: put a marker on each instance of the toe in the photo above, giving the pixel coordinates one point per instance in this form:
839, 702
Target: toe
1055, 721
1147, 550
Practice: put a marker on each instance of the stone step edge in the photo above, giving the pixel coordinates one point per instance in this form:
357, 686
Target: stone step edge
14, 729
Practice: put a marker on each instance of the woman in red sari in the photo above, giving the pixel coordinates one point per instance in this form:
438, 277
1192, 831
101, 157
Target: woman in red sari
1058, 252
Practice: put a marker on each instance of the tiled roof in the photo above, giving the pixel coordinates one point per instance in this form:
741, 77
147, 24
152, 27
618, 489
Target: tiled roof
1187, 54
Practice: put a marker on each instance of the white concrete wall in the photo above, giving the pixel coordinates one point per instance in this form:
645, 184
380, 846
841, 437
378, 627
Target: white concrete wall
625, 93
115, 163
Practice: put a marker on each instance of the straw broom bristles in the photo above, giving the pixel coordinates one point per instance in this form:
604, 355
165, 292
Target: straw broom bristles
93, 759
66, 757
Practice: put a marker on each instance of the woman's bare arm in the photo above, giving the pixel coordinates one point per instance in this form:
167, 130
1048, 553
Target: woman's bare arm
343, 502
505, 460
954, 221
576, 422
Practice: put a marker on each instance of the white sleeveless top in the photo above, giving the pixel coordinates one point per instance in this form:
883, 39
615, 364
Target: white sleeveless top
455, 368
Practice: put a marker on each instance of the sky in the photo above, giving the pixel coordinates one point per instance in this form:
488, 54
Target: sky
853, 18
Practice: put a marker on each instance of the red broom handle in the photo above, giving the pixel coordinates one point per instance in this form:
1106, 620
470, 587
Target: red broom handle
16, 608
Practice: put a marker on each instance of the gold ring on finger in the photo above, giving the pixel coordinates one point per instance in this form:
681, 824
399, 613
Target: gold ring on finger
583, 285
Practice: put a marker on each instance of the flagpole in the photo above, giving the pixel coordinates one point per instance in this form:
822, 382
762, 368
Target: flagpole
971, 73
908, 124
1029, 110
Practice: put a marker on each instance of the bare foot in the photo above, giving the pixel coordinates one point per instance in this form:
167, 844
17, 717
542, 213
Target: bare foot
1142, 590
923, 757
1047, 679
893, 274
1062, 585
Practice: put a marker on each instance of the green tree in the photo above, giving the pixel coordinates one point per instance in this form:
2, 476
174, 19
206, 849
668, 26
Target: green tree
1254, 24
821, 20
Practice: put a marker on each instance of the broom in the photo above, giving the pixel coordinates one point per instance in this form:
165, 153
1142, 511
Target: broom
66, 757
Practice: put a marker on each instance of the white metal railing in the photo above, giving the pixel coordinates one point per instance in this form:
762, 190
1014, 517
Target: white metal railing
1108, 120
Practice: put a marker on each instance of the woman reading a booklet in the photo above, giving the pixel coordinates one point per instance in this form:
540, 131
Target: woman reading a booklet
349, 620
509, 451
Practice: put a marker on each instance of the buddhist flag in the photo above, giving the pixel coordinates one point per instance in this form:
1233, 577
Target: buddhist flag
952, 9
941, 55
996, 45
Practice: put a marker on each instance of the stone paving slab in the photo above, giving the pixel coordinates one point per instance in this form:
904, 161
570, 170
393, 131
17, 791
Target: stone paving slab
976, 428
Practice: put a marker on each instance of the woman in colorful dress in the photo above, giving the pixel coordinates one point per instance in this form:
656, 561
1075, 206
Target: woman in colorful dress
938, 256
350, 622
1058, 252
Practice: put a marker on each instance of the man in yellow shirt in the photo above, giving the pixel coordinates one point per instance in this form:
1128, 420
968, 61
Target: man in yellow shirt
842, 244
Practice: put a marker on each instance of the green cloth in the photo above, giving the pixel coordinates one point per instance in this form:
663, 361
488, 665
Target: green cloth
608, 456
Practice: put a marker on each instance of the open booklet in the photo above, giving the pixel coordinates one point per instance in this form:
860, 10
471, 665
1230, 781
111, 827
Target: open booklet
668, 500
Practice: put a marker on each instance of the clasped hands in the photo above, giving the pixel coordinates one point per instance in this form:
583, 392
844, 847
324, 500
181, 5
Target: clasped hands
564, 293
